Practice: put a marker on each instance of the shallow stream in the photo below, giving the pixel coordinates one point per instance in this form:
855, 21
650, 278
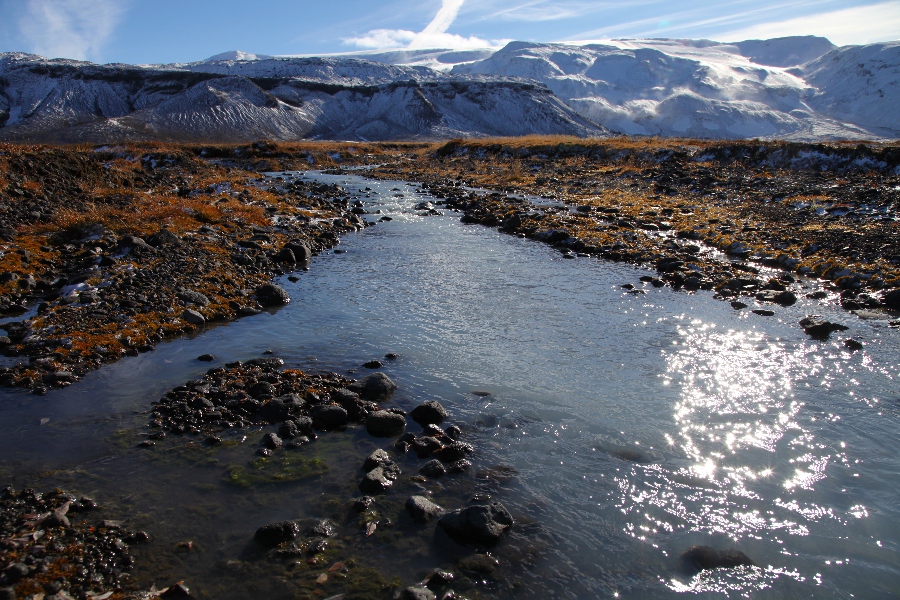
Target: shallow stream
619, 428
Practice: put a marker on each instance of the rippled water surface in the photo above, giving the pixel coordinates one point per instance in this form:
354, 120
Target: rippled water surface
620, 429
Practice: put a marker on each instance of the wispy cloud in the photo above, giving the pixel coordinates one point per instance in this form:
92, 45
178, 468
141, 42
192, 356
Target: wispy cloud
547, 10
433, 36
856, 25
76, 29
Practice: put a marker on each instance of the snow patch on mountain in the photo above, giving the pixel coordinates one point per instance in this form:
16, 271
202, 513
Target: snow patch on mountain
706, 89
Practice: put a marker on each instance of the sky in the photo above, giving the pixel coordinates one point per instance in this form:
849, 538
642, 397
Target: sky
166, 31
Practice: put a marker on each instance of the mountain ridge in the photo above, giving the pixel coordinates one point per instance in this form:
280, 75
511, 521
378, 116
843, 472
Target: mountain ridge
799, 88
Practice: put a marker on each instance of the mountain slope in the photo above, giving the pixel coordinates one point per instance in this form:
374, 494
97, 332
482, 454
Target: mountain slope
700, 88
282, 99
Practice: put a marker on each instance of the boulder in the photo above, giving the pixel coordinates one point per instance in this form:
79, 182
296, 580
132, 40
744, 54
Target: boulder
425, 445
433, 468
376, 481
278, 409
816, 326
277, 533
454, 451
482, 524
422, 509
270, 294
329, 416
163, 237
702, 558
193, 297
192, 317
378, 458
891, 299
414, 592
382, 423
377, 387
429, 413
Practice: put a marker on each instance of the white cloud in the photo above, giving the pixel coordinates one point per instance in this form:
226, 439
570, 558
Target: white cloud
857, 25
433, 36
70, 28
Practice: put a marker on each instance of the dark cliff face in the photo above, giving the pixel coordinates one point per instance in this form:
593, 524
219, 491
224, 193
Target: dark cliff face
68, 101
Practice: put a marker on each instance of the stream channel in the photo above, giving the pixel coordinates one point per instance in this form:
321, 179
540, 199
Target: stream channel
619, 429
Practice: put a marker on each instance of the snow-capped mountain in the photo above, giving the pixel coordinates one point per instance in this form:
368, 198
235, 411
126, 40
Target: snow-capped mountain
800, 88
791, 88
283, 99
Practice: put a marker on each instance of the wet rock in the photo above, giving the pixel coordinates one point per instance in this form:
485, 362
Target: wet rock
300, 251
763, 312
429, 413
277, 533
425, 445
179, 590
206, 358
453, 432
323, 528
363, 504
16, 572
377, 387
481, 564
272, 441
422, 509
383, 423
193, 297
852, 345
378, 458
736, 305
483, 523
414, 592
278, 409
193, 317
433, 468
270, 294
376, 481
373, 364
817, 327
454, 451
262, 390
460, 466
700, 558
329, 416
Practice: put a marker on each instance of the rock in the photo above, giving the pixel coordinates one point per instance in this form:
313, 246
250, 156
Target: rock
852, 345
376, 481
272, 441
193, 297
193, 317
454, 451
270, 294
425, 445
277, 533
261, 390
16, 572
433, 468
382, 423
453, 432
285, 255
786, 298
378, 458
373, 364
329, 416
422, 509
323, 528
163, 237
179, 590
429, 413
377, 387
482, 564
414, 592
363, 504
891, 299
300, 251
479, 524
701, 558
816, 326
460, 466
275, 410
763, 312
206, 358
736, 305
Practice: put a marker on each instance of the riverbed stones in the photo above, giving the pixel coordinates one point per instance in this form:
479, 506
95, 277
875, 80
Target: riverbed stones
422, 510
270, 294
274, 534
193, 317
701, 558
481, 524
425, 445
454, 451
384, 423
429, 413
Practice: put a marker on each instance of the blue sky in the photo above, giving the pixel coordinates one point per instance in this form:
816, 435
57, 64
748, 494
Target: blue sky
160, 31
